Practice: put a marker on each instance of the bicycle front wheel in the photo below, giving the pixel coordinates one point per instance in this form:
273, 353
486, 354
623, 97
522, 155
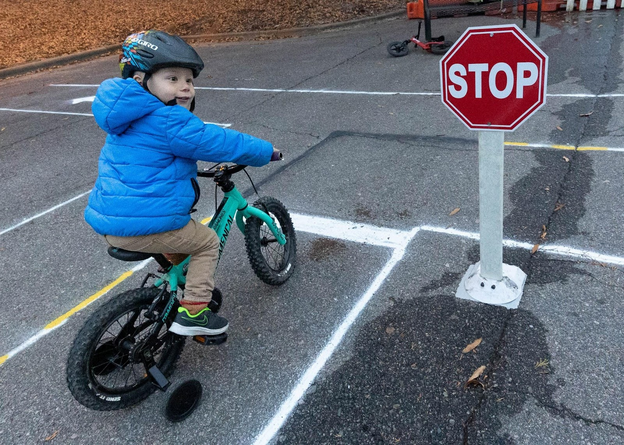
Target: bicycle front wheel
104, 371
397, 49
272, 262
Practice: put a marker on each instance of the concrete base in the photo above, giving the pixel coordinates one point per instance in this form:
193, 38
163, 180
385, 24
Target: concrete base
506, 292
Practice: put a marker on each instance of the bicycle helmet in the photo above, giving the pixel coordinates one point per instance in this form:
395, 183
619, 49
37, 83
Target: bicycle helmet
151, 50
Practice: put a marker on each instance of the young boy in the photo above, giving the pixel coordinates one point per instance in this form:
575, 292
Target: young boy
146, 187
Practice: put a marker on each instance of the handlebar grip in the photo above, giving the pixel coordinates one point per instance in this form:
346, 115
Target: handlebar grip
277, 156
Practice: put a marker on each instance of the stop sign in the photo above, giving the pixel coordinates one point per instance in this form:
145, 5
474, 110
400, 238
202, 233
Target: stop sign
494, 78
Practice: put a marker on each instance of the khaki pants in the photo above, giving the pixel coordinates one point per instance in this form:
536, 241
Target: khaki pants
195, 239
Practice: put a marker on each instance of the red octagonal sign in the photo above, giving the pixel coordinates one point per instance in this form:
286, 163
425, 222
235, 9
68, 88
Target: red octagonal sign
494, 78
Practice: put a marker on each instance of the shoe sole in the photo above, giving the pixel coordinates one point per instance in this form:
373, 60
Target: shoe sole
195, 330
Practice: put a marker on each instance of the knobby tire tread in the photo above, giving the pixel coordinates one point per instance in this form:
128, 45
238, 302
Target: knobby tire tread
253, 242
78, 359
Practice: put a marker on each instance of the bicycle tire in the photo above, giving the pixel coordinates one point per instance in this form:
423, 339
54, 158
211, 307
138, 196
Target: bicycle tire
441, 48
273, 265
397, 49
84, 380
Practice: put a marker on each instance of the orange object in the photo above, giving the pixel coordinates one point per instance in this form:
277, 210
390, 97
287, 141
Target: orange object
416, 10
547, 5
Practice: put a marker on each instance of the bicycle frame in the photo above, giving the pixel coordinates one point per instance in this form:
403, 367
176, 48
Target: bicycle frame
233, 207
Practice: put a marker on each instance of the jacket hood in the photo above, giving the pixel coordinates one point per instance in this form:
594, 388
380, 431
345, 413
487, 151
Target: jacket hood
119, 102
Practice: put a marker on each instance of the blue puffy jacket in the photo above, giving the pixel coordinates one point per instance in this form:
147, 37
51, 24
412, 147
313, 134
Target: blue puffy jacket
148, 166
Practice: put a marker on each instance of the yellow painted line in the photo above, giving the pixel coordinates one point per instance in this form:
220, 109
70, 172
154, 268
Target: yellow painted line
518, 144
88, 301
63, 318
564, 147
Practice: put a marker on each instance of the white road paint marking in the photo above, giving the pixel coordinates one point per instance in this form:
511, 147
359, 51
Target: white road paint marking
353, 92
398, 240
297, 393
83, 99
43, 213
350, 231
15, 110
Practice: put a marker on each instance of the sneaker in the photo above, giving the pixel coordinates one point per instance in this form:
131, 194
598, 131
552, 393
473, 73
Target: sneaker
205, 322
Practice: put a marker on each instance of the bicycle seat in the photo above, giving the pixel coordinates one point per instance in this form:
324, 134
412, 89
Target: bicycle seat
127, 255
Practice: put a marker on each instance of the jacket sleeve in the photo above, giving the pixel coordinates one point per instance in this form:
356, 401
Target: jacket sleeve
190, 138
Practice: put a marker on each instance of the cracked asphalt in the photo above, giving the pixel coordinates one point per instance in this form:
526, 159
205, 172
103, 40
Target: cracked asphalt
553, 366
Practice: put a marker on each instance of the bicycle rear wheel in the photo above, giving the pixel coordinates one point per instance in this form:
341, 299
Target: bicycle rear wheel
441, 48
272, 262
104, 372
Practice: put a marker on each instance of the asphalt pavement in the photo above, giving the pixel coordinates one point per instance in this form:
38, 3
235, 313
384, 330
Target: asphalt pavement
364, 344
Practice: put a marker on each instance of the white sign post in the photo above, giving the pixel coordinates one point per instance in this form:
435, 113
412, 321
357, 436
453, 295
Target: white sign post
493, 79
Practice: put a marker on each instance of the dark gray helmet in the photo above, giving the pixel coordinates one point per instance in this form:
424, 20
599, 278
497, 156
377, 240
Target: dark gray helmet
149, 51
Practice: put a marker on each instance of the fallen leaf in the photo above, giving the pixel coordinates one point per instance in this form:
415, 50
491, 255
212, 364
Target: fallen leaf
599, 26
534, 249
475, 375
54, 434
454, 211
565, 158
586, 114
389, 330
559, 206
559, 128
3, 128
542, 363
472, 345
413, 366
544, 232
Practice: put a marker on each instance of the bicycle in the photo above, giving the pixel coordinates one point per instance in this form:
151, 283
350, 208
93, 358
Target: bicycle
437, 45
124, 351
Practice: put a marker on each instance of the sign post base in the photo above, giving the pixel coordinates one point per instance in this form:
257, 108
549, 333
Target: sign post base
506, 292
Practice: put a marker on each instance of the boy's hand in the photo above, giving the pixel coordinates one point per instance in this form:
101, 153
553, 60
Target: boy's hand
277, 155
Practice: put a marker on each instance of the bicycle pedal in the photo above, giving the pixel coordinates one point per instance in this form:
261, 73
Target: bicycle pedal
158, 378
207, 340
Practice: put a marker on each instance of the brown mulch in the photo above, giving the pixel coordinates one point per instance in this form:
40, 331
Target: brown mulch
33, 29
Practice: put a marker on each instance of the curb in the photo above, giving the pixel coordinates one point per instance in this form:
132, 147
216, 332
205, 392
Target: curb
247, 35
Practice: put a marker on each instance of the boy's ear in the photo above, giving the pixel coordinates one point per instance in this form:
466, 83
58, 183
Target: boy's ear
139, 76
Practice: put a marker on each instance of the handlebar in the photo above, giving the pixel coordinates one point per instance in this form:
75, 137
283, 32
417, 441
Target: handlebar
209, 173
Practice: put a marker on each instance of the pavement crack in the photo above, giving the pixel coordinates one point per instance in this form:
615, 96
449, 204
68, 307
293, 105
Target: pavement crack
292, 87
300, 133
496, 358
564, 412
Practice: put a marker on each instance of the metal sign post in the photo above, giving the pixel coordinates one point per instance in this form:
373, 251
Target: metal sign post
493, 79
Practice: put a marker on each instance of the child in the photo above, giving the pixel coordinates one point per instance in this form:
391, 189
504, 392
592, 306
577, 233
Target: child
146, 187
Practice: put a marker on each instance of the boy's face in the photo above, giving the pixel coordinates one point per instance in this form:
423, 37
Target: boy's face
173, 83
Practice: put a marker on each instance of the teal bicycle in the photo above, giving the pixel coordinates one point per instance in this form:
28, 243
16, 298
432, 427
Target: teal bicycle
124, 351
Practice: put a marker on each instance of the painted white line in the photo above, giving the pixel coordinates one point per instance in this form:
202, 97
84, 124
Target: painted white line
544, 248
475, 236
15, 110
353, 92
43, 213
351, 231
297, 393
579, 253
31, 341
82, 99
